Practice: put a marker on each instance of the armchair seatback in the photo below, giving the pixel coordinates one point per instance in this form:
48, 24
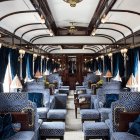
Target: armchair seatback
34, 85
18, 102
128, 102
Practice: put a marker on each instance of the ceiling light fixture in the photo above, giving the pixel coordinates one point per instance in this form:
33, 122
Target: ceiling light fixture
72, 2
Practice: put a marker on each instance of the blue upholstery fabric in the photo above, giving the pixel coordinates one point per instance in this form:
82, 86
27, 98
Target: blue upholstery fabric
23, 135
13, 101
135, 127
95, 129
42, 112
7, 129
104, 113
110, 98
36, 98
90, 114
56, 114
123, 136
52, 129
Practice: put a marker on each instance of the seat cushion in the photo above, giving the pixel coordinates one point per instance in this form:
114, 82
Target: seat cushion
123, 136
90, 114
42, 112
56, 114
52, 129
95, 129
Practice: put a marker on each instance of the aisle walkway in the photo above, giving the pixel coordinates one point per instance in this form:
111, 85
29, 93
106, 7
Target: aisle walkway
73, 125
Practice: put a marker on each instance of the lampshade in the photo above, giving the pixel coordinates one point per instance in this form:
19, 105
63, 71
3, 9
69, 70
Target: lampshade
98, 72
38, 74
16, 84
117, 78
131, 81
108, 74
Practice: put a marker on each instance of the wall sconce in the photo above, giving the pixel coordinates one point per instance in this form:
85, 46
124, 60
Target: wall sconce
123, 52
42, 57
97, 58
51, 33
104, 19
34, 55
42, 19
101, 56
22, 52
93, 32
110, 55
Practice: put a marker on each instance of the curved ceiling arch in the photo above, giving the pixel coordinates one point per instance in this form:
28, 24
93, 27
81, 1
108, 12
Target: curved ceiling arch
17, 12
32, 31
115, 31
22, 26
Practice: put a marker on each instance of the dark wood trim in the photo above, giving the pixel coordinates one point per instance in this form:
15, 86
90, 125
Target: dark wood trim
99, 35
107, 36
38, 36
116, 31
25, 26
96, 15
46, 10
125, 11
133, 37
121, 44
97, 22
90, 49
18, 12
53, 50
33, 30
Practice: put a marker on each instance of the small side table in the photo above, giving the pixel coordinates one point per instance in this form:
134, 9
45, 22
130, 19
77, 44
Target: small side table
80, 105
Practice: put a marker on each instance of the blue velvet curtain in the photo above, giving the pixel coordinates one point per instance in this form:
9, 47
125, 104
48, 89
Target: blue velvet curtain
3, 65
50, 65
135, 56
107, 64
37, 65
115, 64
15, 65
100, 64
121, 65
24, 63
44, 65
29, 66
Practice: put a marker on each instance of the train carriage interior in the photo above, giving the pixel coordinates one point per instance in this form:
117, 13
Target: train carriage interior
69, 69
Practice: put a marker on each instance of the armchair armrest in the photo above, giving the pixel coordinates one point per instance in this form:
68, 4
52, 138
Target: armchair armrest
125, 118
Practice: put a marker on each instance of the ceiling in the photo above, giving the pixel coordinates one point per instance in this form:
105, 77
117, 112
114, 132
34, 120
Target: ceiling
70, 29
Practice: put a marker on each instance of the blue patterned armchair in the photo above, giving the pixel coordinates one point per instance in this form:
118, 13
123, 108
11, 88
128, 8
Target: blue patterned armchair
128, 102
18, 102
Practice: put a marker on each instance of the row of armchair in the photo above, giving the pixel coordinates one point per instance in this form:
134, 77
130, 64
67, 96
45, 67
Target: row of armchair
107, 113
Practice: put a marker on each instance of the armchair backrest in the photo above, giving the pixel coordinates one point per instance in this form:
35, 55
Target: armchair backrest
112, 85
101, 93
34, 85
129, 102
52, 78
91, 77
17, 102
